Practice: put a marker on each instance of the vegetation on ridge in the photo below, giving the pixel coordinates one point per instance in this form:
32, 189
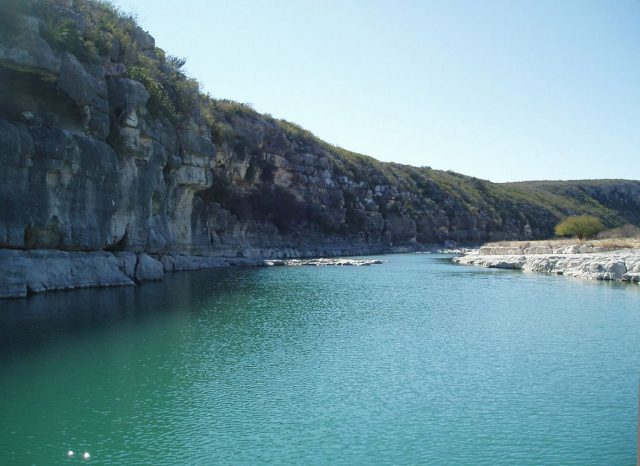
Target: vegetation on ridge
423, 204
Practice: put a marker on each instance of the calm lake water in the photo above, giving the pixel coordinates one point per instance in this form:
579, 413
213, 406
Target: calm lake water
416, 361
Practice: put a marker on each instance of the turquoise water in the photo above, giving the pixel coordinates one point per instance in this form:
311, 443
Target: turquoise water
416, 361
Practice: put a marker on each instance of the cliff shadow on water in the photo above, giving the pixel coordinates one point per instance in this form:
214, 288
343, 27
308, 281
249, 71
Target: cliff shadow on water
42, 320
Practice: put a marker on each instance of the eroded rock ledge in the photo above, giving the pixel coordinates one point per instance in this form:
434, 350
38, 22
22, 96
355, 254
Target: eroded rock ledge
590, 262
41, 270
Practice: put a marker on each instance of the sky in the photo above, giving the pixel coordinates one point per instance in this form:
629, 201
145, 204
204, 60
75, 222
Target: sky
502, 90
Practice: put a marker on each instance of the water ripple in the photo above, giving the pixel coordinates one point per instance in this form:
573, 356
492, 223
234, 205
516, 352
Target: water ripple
416, 361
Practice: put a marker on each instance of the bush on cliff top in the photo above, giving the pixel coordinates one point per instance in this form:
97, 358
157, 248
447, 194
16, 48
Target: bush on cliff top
107, 34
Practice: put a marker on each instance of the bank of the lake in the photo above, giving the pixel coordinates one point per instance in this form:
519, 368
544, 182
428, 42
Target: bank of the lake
416, 360
28, 272
617, 260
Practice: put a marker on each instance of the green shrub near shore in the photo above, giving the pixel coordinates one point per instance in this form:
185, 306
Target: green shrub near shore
582, 226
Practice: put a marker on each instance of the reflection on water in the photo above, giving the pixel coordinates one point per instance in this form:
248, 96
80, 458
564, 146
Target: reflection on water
27, 323
413, 361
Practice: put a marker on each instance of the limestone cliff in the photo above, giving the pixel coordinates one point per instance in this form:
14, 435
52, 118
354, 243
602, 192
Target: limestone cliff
105, 145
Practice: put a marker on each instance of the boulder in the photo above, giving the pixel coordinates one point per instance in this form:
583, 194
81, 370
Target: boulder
126, 94
28, 51
40, 270
147, 268
127, 263
81, 86
168, 262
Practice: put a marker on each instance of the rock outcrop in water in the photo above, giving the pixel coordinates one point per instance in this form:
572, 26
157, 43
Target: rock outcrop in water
107, 147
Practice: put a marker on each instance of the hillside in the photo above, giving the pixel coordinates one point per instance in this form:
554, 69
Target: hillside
106, 145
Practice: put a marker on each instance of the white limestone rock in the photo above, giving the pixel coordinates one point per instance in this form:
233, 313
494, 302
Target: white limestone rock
619, 265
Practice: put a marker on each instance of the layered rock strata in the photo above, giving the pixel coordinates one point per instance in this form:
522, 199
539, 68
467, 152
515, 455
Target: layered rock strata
577, 261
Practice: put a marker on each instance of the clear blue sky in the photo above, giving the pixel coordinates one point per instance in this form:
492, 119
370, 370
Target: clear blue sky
503, 90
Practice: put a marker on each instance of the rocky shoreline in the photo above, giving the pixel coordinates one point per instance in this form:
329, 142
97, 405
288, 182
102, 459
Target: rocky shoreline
586, 261
26, 272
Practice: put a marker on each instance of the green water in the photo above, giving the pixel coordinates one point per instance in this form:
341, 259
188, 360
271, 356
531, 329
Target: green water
416, 361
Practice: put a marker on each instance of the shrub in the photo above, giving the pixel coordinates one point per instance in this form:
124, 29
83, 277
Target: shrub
160, 100
176, 63
583, 226
187, 95
221, 132
61, 33
232, 107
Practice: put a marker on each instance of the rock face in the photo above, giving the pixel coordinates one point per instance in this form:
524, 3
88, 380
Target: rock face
24, 272
104, 147
620, 265
36, 271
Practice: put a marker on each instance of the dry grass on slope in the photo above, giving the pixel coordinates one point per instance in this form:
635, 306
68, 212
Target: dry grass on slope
607, 243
